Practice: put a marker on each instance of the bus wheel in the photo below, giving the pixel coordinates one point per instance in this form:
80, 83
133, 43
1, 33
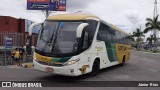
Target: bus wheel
95, 68
123, 62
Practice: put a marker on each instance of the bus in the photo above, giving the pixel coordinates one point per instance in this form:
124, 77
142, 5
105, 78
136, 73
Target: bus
77, 44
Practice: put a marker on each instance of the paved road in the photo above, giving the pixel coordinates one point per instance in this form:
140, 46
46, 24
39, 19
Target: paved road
141, 67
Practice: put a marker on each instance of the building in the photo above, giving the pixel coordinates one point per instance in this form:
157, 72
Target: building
16, 28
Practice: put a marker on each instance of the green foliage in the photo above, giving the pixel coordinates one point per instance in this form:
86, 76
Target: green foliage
151, 25
131, 37
155, 51
150, 39
139, 34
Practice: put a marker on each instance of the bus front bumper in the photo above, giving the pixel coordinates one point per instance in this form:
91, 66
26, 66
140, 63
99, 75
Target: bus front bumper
71, 70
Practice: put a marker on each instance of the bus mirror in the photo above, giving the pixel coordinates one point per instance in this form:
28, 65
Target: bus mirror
32, 26
80, 29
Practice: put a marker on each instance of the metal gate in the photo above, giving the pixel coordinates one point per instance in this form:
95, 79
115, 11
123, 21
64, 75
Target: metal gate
17, 42
17, 38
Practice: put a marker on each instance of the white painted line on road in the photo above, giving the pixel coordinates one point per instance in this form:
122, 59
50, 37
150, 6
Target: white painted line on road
153, 70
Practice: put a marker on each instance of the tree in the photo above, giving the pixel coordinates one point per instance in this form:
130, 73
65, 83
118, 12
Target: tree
138, 33
150, 39
151, 25
131, 37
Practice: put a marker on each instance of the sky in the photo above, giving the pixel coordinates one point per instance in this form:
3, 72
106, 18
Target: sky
126, 14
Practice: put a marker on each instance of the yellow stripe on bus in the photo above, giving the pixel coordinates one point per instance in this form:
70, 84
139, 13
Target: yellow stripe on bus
121, 51
43, 58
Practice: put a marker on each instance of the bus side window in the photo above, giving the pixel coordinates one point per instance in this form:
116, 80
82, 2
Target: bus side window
104, 33
91, 28
113, 35
85, 40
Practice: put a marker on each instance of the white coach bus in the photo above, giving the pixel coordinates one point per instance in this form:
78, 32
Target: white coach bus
77, 44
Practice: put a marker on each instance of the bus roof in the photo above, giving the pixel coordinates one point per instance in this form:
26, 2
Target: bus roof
80, 17
71, 17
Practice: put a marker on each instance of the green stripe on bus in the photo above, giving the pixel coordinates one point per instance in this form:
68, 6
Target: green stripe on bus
60, 59
111, 51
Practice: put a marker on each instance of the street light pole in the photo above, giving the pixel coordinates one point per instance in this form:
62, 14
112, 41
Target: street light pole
136, 22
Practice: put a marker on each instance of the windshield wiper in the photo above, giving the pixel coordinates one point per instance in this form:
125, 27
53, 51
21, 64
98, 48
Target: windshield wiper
52, 39
55, 39
48, 42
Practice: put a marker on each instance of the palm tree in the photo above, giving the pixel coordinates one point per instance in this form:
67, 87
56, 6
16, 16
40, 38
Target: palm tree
151, 25
131, 37
138, 33
150, 39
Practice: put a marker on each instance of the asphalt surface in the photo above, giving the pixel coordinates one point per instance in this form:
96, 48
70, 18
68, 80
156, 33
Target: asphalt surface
141, 67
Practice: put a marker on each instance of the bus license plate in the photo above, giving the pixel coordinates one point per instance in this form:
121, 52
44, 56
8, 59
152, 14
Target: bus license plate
48, 69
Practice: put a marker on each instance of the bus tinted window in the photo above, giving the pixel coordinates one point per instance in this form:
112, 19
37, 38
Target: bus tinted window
91, 28
104, 33
112, 35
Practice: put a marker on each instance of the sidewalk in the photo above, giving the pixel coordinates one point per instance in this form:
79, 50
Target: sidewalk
27, 62
28, 65
24, 65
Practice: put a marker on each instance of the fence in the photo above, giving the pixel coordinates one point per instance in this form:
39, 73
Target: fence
17, 38
17, 42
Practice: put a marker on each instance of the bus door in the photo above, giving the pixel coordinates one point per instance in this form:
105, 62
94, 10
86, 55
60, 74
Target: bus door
85, 59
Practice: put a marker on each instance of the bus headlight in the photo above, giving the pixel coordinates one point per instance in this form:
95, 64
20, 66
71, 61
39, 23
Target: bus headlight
71, 62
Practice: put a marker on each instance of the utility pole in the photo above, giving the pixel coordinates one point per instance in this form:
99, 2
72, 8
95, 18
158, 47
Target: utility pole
155, 13
155, 9
47, 13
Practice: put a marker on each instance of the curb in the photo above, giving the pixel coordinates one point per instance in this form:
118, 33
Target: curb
28, 65
149, 52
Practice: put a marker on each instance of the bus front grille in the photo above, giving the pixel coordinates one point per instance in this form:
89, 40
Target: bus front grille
50, 64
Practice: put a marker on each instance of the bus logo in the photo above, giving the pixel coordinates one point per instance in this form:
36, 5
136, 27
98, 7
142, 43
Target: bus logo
83, 69
6, 84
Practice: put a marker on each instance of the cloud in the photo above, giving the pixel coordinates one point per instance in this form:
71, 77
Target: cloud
117, 12
79, 5
120, 12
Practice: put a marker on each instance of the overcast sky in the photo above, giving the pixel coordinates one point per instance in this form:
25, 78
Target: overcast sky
126, 14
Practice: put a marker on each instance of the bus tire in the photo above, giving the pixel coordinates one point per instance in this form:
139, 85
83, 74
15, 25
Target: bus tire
123, 61
95, 68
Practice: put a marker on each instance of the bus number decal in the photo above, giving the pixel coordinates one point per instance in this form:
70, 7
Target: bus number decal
99, 48
122, 48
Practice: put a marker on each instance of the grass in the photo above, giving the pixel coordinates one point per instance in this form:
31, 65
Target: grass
156, 51
151, 51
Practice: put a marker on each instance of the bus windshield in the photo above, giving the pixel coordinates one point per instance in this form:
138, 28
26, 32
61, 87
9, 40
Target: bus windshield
58, 37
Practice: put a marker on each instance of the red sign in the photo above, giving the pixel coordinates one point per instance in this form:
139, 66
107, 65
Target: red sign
38, 0
62, 8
